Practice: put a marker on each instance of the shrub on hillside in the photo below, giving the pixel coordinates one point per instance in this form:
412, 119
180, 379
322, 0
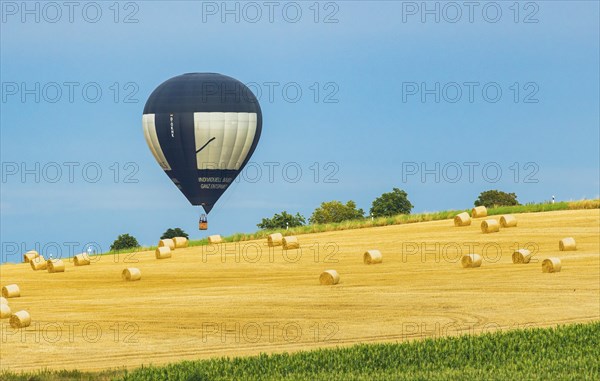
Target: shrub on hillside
282, 221
335, 211
493, 198
391, 204
175, 232
124, 241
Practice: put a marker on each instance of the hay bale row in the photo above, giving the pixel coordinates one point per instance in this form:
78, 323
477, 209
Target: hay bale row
163, 252
487, 226
277, 239
168, 245
55, 266
549, 265
524, 256
462, 219
30, 255
331, 277
11, 291
479, 212
131, 274
3, 300
328, 277
20, 319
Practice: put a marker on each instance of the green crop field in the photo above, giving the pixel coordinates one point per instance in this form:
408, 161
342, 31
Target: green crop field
569, 352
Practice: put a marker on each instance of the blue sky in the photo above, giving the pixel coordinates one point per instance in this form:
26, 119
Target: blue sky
367, 114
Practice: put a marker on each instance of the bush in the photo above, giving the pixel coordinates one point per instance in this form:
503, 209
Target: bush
335, 211
124, 241
492, 198
172, 233
282, 221
391, 204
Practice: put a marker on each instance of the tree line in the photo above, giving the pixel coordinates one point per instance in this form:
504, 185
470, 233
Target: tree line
388, 204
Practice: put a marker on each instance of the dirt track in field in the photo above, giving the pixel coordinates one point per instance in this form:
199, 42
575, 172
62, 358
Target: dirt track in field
244, 298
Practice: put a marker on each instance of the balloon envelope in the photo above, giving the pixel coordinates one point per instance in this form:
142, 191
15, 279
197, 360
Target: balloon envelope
202, 129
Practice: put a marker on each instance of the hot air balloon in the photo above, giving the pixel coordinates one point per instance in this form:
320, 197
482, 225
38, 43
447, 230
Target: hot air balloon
202, 129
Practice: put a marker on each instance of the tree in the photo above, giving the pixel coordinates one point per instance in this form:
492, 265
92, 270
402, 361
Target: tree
124, 241
172, 233
392, 203
282, 221
493, 198
335, 211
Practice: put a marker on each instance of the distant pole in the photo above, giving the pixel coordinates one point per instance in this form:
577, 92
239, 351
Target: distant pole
372, 217
287, 226
553, 199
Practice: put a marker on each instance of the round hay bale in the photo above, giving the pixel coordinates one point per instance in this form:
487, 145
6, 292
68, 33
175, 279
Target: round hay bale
479, 211
521, 256
490, 226
180, 242
5, 311
11, 291
162, 252
471, 260
290, 243
551, 265
3, 300
214, 239
371, 257
28, 256
131, 274
567, 244
82, 260
55, 266
38, 263
329, 277
508, 221
275, 239
462, 219
20, 319
167, 242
